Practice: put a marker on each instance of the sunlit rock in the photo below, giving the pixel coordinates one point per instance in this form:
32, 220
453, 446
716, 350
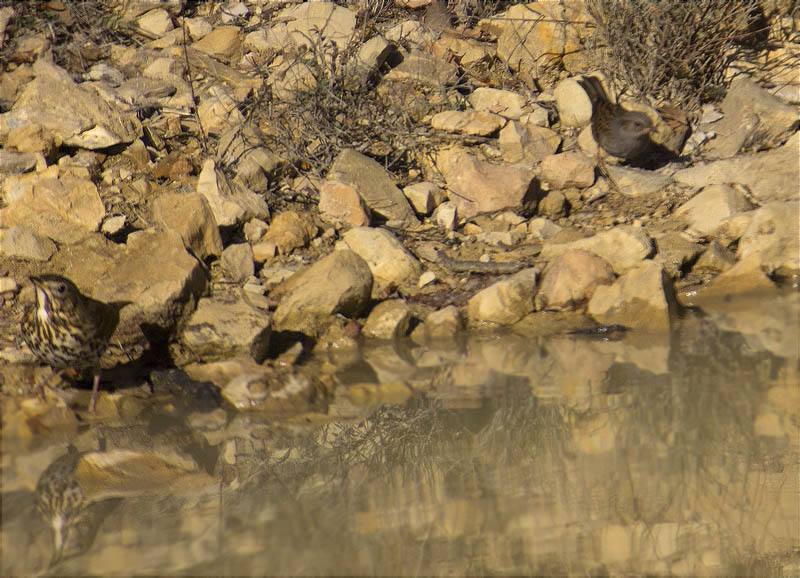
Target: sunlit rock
390, 263
504, 302
642, 299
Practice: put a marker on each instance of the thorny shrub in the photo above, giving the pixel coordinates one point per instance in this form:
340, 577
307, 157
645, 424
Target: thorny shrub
340, 109
678, 51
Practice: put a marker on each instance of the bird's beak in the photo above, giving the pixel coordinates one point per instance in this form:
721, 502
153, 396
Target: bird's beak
40, 291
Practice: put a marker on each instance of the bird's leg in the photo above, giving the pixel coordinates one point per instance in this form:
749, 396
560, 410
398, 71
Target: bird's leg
95, 389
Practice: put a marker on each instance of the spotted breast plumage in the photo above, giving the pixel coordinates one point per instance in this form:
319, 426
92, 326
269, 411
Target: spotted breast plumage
60, 499
67, 329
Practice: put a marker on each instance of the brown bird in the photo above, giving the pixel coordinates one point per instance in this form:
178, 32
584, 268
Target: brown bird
622, 133
66, 329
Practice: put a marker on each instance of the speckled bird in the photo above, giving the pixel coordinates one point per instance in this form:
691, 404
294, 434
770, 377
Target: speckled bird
60, 500
66, 329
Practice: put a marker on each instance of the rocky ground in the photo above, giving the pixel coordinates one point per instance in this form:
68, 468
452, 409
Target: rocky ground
261, 180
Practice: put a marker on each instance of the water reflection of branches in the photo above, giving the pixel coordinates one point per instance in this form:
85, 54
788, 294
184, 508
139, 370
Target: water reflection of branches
405, 440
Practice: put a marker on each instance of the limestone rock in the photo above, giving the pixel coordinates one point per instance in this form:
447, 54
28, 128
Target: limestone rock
254, 230
410, 32
218, 111
388, 260
553, 205
623, 247
8, 286
87, 261
189, 214
424, 196
267, 40
309, 21
240, 146
537, 34
765, 174
506, 103
143, 91
6, 14
731, 229
222, 42
230, 204
291, 78
747, 277
338, 284
569, 169
105, 73
446, 216
237, 262
341, 203
542, 229
65, 208
239, 82
640, 299
155, 23
674, 251
372, 54
705, 211
24, 243
113, 225
197, 27
636, 183
571, 279
587, 143
444, 323
264, 252
774, 236
468, 122
290, 230
13, 162
75, 115
480, 186
234, 11
374, 185
539, 116
753, 119
423, 68
470, 52
715, 259
573, 104
505, 302
527, 143
221, 329
160, 290
388, 320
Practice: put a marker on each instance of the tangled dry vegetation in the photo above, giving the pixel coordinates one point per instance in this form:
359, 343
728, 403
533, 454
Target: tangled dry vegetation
670, 51
79, 32
677, 51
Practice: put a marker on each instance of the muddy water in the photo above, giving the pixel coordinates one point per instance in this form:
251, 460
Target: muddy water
572, 454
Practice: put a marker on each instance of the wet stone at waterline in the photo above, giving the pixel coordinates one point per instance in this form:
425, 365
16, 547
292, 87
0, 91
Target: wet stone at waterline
507, 430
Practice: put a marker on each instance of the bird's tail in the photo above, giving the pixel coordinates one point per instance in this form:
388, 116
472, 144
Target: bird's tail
594, 88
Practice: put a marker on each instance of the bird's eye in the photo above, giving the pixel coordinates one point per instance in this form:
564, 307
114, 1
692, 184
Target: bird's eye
61, 288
